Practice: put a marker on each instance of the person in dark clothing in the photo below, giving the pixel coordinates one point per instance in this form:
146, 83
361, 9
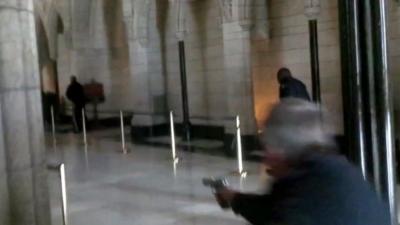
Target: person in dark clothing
76, 95
290, 86
312, 186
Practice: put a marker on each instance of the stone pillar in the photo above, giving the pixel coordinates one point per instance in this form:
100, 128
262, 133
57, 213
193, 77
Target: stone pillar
23, 182
148, 82
238, 69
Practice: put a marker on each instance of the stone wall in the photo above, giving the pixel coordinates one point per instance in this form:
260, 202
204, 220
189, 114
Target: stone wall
99, 50
137, 59
147, 67
204, 61
282, 40
92, 45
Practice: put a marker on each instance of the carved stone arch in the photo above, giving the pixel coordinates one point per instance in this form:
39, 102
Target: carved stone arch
54, 25
47, 24
60, 25
47, 68
42, 41
40, 18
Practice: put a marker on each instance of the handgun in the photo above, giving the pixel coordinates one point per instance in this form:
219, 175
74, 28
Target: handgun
217, 185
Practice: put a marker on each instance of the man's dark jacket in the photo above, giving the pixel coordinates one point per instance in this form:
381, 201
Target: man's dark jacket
324, 190
76, 94
291, 87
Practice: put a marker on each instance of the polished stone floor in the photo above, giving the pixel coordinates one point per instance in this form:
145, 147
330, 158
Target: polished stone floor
143, 187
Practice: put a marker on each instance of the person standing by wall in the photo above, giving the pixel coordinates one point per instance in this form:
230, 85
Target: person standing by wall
76, 95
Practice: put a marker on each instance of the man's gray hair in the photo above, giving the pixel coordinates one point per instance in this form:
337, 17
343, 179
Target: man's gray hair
295, 126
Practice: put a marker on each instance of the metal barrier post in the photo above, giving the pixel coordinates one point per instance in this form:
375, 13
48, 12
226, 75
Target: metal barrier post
241, 183
86, 156
173, 144
239, 148
84, 127
64, 203
175, 165
64, 194
53, 125
124, 150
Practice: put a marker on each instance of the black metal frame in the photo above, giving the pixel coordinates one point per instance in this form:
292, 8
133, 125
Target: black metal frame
185, 101
367, 99
313, 31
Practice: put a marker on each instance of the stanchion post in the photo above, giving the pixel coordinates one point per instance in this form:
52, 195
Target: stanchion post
173, 144
239, 148
175, 165
241, 183
124, 150
53, 124
86, 156
84, 127
64, 194
60, 168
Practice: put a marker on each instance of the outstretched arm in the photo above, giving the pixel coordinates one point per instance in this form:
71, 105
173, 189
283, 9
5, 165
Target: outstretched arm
253, 207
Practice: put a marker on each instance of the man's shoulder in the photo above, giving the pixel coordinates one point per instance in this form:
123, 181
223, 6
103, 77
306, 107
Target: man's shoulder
328, 162
297, 81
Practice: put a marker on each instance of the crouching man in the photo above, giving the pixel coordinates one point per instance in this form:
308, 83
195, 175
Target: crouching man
312, 186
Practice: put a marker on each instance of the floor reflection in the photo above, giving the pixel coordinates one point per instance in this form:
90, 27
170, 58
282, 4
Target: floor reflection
140, 187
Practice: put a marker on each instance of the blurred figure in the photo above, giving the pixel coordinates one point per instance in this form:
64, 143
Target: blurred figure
290, 86
312, 185
76, 95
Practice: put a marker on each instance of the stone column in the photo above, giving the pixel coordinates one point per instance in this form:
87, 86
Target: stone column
238, 69
23, 182
148, 82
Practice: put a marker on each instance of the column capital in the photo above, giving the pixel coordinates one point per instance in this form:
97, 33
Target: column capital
180, 13
226, 10
312, 9
238, 11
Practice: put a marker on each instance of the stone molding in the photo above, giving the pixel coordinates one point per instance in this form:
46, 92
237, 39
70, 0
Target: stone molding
312, 9
238, 11
226, 10
180, 12
141, 17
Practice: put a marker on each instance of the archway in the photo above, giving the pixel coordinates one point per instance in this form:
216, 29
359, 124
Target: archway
48, 66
